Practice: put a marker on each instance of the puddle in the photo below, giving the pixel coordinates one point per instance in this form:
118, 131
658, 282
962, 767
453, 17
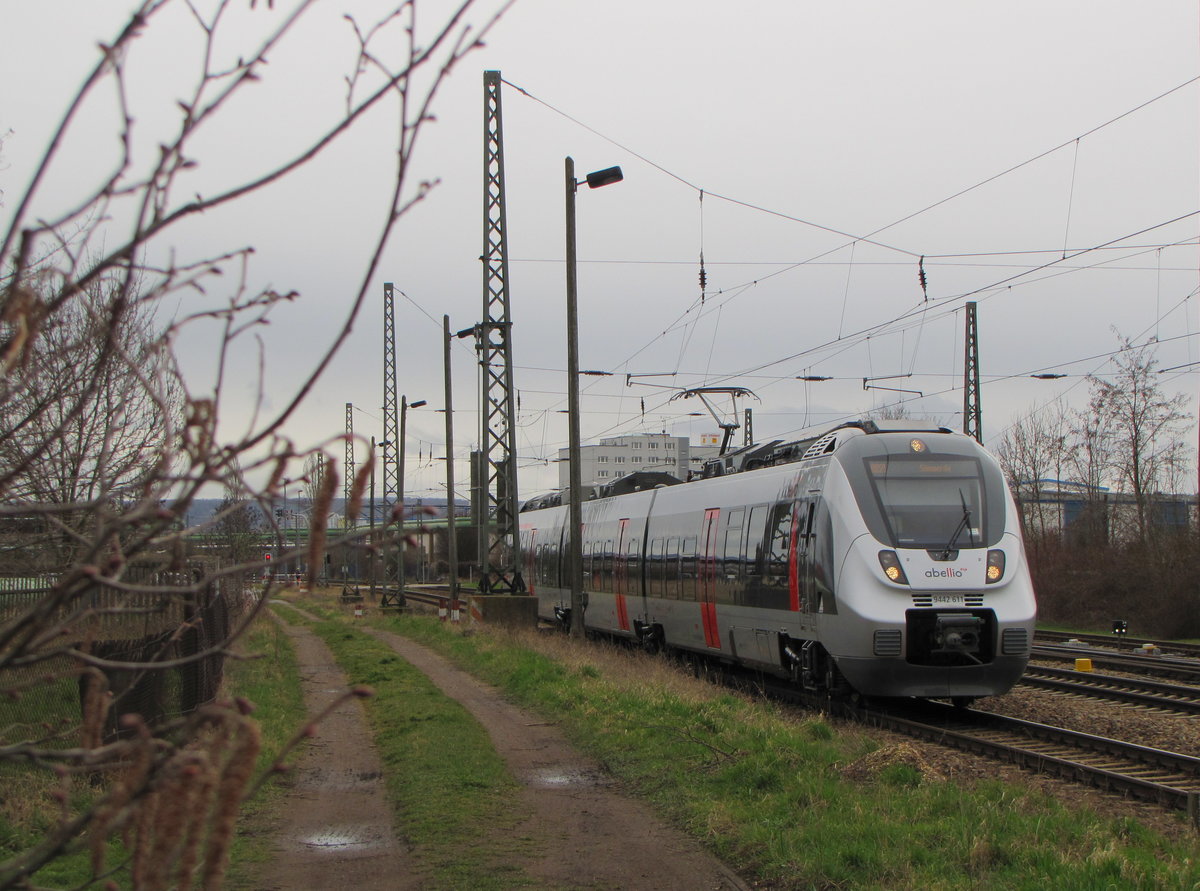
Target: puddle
564, 777
343, 838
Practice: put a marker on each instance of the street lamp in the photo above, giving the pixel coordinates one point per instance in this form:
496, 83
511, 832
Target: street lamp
451, 532
404, 407
595, 180
371, 550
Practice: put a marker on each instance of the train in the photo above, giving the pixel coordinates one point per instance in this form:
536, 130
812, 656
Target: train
882, 559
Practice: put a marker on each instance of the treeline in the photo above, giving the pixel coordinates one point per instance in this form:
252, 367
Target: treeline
1109, 532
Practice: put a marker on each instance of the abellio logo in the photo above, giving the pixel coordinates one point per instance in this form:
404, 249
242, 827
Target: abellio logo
948, 573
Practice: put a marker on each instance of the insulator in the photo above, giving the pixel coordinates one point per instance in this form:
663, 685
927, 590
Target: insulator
703, 279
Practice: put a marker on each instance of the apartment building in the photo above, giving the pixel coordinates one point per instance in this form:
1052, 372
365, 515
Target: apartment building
618, 456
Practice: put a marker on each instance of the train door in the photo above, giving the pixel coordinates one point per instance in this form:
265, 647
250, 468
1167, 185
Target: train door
708, 577
621, 577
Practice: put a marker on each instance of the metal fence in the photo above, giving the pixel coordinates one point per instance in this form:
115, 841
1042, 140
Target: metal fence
169, 620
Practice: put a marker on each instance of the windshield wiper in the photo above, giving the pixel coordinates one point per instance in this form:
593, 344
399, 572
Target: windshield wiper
964, 523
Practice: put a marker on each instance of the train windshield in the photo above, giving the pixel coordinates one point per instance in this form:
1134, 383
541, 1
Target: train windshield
930, 501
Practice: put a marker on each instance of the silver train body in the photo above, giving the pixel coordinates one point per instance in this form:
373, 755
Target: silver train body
887, 562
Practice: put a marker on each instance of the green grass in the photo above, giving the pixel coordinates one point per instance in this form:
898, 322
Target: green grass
47, 712
28, 810
769, 794
452, 796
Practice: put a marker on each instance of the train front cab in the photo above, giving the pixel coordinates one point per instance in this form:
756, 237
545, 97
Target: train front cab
934, 595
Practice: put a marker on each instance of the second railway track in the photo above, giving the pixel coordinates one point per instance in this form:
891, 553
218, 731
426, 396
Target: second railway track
1136, 691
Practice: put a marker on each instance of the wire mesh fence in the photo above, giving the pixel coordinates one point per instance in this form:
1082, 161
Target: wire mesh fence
157, 618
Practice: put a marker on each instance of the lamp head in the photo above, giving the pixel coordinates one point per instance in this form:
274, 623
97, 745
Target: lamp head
605, 177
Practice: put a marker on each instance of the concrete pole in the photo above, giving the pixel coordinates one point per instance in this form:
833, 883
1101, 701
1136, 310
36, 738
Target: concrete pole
400, 502
575, 511
451, 534
371, 549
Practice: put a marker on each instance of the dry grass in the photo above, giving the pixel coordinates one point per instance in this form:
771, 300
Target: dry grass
619, 665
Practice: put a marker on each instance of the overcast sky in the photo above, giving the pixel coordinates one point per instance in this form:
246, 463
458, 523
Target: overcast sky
835, 144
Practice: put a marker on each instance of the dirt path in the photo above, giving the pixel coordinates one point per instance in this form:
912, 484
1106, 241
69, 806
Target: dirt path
336, 828
591, 835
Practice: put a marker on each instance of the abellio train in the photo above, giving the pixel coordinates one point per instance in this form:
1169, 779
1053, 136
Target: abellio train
885, 560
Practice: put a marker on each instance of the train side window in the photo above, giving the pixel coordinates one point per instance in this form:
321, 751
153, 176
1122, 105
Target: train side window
632, 568
654, 568
733, 540
671, 568
756, 546
755, 558
728, 587
687, 569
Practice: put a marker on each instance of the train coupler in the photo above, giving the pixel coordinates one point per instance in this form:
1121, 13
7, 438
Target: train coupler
959, 633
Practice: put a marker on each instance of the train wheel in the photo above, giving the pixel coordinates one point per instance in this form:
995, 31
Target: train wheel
962, 702
835, 681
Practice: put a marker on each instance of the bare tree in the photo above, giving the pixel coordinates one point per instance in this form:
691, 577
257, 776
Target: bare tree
1143, 426
95, 394
1032, 451
236, 524
79, 279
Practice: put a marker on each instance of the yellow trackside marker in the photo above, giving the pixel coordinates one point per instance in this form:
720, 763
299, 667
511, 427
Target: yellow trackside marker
1083, 664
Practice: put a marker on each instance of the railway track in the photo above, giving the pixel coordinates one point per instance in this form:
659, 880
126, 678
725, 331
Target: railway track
1141, 692
1178, 668
1168, 779
1119, 642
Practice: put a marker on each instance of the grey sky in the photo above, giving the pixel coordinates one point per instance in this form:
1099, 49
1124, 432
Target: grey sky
850, 116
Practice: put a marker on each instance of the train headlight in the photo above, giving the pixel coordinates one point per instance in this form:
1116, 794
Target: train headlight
995, 566
892, 568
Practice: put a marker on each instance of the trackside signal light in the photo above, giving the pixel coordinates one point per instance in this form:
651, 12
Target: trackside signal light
892, 568
267, 557
995, 566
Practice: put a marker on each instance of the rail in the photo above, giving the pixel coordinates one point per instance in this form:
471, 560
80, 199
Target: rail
1168, 779
1120, 642
1179, 668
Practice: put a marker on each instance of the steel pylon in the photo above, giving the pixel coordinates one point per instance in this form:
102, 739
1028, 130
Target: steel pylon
498, 440
972, 407
391, 596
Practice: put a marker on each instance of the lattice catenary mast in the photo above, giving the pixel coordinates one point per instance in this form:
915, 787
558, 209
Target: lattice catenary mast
348, 467
391, 442
498, 438
972, 407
